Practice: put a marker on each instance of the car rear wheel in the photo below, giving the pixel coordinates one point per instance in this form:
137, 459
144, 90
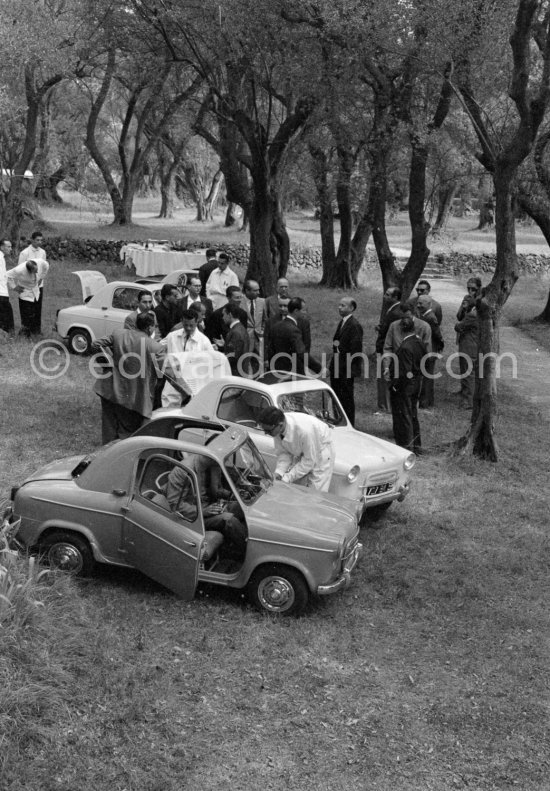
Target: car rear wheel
68, 552
278, 590
80, 341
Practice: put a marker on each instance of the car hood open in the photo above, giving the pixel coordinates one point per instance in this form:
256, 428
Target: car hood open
90, 282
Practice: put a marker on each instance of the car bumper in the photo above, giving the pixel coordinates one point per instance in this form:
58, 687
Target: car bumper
345, 577
397, 494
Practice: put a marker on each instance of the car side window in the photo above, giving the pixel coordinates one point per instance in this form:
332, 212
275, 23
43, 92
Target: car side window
125, 298
241, 405
169, 486
319, 403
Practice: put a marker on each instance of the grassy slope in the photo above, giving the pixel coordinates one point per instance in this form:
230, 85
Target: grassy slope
428, 673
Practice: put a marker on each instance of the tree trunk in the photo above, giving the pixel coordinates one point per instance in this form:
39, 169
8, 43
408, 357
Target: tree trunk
167, 190
201, 215
46, 190
480, 439
212, 197
538, 209
486, 208
446, 196
269, 242
230, 216
419, 226
320, 170
246, 218
342, 276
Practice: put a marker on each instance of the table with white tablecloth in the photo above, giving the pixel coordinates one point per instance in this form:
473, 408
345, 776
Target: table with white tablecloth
159, 261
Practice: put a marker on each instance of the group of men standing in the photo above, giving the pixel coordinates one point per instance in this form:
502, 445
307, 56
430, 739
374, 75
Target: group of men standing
27, 281
214, 313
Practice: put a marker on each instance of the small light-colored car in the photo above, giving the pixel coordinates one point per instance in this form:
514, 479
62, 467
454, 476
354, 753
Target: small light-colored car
370, 472
112, 507
105, 306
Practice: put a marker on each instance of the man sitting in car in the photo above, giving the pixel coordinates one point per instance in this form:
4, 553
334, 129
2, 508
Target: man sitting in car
225, 518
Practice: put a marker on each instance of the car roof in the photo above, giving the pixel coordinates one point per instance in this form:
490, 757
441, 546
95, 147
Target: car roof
112, 466
272, 384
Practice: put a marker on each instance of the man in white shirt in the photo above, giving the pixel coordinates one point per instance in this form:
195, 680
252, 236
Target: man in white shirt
26, 280
221, 278
187, 339
33, 251
6, 312
303, 445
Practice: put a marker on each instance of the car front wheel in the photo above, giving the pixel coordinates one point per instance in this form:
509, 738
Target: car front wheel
68, 552
278, 590
79, 341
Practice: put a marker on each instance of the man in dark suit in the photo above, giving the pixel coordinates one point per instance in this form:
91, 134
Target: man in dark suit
287, 345
215, 327
347, 358
207, 268
391, 311
166, 310
193, 296
272, 303
423, 288
236, 341
405, 384
425, 312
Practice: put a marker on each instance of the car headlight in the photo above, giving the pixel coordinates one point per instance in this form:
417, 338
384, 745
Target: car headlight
353, 473
409, 462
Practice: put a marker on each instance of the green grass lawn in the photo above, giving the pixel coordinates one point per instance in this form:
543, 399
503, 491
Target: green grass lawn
429, 673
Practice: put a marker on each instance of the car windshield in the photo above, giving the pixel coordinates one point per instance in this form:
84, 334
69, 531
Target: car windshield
249, 472
319, 403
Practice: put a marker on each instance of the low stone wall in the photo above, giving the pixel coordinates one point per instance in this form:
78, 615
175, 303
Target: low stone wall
107, 251
460, 264
301, 258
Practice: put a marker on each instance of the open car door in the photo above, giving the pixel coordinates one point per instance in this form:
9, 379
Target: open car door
163, 541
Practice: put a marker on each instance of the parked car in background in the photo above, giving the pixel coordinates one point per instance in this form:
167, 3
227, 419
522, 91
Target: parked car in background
111, 507
370, 472
105, 306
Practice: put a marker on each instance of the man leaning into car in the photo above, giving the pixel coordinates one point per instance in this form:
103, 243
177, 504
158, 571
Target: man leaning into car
127, 389
303, 445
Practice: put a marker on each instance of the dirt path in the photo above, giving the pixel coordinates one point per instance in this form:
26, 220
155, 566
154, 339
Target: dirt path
524, 365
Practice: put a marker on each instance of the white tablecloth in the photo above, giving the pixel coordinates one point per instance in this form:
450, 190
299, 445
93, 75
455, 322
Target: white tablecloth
159, 262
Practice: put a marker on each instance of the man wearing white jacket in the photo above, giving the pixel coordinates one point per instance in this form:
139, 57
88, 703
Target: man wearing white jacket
221, 278
303, 445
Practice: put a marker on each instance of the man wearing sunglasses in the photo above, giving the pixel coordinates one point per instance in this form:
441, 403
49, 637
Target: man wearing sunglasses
473, 287
423, 288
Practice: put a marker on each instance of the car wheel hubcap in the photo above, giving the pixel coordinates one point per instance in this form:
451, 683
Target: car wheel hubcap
276, 594
65, 557
79, 343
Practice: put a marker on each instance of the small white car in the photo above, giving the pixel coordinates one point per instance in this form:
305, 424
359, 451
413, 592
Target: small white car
371, 472
105, 306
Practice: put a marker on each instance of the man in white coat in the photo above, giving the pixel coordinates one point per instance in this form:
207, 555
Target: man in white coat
187, 339
26, 280
219, 281
303, 445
